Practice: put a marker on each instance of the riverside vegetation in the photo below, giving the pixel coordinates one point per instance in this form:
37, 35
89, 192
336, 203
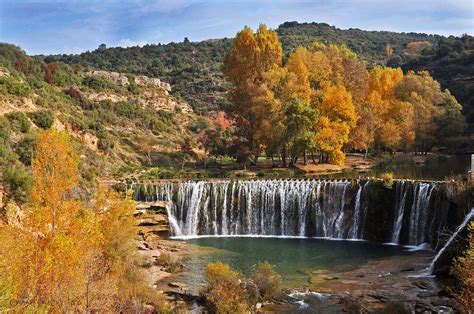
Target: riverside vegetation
69, 253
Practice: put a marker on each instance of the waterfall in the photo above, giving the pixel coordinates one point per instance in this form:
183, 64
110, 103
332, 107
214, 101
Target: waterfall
355, 232
467, 219
400, 211
418, 213
408, 214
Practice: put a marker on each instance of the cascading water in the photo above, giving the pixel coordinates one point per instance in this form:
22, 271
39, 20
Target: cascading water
355, 232
341, 209
401, 193
469, 217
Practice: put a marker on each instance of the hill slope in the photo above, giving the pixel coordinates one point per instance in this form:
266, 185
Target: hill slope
118, 121
193, 68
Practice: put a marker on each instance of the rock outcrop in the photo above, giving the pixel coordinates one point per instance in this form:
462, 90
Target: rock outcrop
152, 220
122, 79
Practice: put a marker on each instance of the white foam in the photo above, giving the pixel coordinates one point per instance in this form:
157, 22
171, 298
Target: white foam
192, 237
302, 304
420, 247
308, 293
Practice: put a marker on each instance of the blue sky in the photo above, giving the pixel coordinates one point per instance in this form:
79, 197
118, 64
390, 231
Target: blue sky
73, 26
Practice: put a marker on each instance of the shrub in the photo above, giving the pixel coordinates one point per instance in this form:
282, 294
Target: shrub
267, 279
226, 290
126, 109
463, 270
17, 181
8, 85
199, 125
169, 264
25, 148
5, 130
43, 118
133, 87
19, 121
74, 93
387, 178
98, 83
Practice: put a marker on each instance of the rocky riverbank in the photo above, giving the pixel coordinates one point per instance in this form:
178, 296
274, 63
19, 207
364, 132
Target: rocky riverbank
401, 282
162, 259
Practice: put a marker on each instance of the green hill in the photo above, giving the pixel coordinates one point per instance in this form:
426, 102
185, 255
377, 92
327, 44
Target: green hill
118, 121
193, 68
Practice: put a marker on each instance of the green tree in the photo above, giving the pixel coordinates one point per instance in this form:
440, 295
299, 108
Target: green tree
300, 123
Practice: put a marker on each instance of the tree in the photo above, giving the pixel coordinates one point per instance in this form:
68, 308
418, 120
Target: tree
300, 122
425, 95
450, 122
146, 145
380, 122
337, 118
68, 256
246, 66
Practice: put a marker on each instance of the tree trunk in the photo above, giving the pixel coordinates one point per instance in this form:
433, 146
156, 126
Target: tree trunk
304, 157
312, 156
283, 156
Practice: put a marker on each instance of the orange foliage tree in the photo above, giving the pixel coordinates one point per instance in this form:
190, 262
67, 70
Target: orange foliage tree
68, 256
246, 66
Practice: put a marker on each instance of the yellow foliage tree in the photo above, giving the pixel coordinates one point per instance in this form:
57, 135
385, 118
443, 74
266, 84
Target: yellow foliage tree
424, 93
337, 118
384, 119
68, 256
247, 65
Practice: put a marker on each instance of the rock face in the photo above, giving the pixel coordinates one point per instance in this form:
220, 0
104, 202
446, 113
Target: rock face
151, 219
122, 79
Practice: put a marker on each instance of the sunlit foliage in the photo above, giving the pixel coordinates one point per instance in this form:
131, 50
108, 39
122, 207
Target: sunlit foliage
69, 255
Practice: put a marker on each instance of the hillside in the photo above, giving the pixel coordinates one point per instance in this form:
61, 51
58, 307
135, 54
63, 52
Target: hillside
118, 121
193, 68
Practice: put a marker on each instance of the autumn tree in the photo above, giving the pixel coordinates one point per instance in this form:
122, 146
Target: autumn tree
337, 118
246, 65
432, 108
69, 256
146, 145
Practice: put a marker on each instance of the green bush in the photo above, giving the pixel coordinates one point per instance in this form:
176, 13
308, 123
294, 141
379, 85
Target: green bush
5, 130
126, 109
133, 87
98, 83
43, 118
25, 149
8, 85
19, 121
17, 182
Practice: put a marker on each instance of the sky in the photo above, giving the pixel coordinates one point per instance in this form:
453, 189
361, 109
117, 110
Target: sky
74, 26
